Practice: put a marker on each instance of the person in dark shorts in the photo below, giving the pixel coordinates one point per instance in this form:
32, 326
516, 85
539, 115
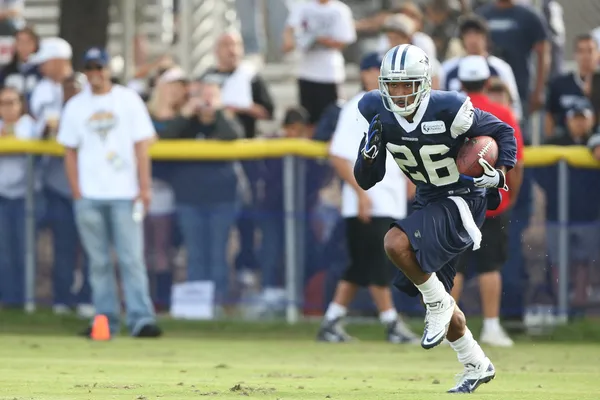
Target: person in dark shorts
474, 74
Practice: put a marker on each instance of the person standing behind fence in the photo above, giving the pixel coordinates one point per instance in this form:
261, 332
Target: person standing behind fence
107, 131
206, 192
46, 103
368, 215
14, 123
321, 29
246, 93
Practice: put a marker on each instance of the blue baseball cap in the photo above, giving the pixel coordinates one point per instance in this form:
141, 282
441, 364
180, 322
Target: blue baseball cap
371, 60
96, 55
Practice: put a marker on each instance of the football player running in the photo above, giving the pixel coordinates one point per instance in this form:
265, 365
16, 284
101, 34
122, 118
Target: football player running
423, 130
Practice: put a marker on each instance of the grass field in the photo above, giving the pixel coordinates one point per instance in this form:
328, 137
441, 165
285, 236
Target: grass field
48, 367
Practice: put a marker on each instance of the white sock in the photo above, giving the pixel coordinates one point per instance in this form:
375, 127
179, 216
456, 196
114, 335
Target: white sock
468, 350
432, 290
491, 324
388, 316
335, 311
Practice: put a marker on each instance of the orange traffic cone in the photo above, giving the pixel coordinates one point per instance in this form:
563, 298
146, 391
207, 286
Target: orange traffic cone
100, 328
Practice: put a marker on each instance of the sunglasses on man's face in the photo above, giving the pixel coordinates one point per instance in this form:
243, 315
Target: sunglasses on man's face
93, 67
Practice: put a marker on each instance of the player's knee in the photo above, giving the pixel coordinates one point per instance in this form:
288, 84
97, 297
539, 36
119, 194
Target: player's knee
396, 243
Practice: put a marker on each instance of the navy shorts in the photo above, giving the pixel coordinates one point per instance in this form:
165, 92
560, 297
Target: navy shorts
438, 237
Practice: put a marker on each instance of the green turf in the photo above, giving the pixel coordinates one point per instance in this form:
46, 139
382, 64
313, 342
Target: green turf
45, 323
70, 368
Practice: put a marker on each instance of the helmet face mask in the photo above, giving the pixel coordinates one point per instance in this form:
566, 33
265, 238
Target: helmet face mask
404, 79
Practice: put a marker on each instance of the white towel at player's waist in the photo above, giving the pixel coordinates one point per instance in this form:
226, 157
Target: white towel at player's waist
467, 220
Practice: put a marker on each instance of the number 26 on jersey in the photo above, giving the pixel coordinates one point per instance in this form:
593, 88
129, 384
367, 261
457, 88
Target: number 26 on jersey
435, 169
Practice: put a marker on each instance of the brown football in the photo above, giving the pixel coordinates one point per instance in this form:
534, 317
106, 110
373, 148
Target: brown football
472, 150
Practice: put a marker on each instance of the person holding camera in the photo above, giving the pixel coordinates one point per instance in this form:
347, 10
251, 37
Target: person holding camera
206, 192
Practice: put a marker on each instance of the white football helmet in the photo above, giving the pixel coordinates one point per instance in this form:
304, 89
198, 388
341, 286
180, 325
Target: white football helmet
405, 63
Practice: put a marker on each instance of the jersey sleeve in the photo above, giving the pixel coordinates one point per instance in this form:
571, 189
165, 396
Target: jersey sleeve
463, 118
485, 124
367, 106
369, 174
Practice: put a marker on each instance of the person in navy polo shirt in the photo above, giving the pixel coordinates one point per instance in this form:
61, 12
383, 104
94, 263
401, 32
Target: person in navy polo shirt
572, 88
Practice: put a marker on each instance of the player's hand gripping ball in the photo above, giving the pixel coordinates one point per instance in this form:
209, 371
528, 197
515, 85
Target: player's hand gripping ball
476, 160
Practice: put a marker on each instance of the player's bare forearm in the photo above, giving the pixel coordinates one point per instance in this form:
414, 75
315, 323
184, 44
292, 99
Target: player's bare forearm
515, 178
144, 166
549, 125
289, 42
542, 50
72, 172
343, 168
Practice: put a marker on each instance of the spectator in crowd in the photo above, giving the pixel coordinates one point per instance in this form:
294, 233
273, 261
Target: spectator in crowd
553, 13
583, 208
271, 211
570, 88
320, 29
400, 29
14, 123
369, 16
21, 73
61, 220
473, 32
368, 215
419, 38
441, 24
107, 131
498, 92
517, 32
168, 98
10, 22
206, 193
46, 105
246, 93
474, 74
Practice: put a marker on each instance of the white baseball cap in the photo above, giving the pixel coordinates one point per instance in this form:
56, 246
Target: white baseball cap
52, 48
473, 69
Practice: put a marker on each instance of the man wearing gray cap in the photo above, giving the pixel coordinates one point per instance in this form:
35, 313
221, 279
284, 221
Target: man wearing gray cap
46, 104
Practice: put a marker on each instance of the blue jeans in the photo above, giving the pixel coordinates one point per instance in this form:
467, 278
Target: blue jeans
272, 248
205, 230
61, 219
12, 251
101, 222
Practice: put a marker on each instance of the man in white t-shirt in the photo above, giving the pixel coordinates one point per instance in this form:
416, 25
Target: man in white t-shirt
368, 216
320, 29
106, 130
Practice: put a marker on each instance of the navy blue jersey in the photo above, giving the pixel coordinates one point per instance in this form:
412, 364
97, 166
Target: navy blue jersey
426, 149
564, 92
